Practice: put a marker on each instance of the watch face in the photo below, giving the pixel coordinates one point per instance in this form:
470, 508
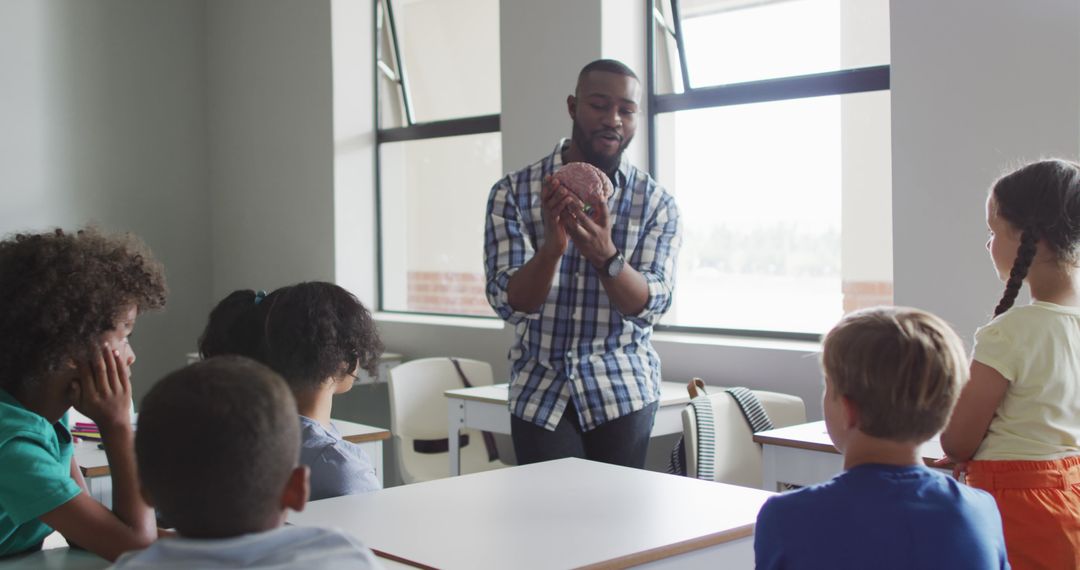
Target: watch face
615, 265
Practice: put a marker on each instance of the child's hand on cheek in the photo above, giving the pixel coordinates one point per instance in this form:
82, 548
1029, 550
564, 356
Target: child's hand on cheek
103, 390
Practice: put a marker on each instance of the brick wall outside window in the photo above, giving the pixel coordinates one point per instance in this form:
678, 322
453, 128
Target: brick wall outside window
448, 292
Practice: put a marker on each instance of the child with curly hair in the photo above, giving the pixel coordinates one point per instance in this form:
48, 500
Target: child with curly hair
1018, 418
68, 303
317, 336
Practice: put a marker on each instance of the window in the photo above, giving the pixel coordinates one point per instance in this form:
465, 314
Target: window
769, 122
439, 150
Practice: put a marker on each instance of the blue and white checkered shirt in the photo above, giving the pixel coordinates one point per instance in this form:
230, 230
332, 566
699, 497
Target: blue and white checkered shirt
578, 345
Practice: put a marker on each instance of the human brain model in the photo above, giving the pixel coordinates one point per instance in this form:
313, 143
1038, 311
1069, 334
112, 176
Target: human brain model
588, 183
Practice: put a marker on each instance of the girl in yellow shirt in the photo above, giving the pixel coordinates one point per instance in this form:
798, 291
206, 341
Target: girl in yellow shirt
1017, 422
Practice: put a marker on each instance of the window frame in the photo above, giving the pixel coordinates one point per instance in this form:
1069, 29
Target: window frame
840, 82
412, 131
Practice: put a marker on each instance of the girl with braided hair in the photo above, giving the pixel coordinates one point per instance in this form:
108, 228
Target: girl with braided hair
1016, 426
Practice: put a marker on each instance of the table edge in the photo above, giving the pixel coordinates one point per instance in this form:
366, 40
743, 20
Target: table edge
797, 444
366, 437
671, 550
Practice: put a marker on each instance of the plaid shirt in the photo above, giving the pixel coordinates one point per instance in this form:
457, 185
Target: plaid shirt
577, 345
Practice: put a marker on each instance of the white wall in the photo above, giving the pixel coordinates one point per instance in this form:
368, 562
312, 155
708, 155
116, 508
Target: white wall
977, 88
102, 106
271, 142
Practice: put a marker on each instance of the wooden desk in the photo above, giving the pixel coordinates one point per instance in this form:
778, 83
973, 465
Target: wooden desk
568, 513
804, 455
485, 408
95, 466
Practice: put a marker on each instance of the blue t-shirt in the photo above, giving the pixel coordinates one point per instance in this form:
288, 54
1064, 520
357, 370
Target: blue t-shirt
881, 517
338, 467
35, 474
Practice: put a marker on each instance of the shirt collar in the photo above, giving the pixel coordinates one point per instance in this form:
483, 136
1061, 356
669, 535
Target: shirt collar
622, 174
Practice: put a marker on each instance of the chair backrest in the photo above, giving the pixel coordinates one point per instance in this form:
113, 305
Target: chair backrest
418, 410
738, 458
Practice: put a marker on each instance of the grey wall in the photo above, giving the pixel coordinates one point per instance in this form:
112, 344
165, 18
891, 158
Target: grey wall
103, 114
269, 111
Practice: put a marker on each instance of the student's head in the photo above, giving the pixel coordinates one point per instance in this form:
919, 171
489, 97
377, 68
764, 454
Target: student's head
1033, 215
316, 333
218, 448
604, 110
892, 373
236, 325
63, 295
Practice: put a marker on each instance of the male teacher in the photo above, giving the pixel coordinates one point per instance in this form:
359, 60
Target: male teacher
584, 293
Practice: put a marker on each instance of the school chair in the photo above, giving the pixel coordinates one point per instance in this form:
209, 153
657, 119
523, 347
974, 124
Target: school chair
418, 417
736, 458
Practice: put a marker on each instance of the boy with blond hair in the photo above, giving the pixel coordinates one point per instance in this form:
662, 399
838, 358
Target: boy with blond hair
218, 451
892, 376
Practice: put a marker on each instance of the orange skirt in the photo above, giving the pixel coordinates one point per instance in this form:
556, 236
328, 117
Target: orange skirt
1040, 509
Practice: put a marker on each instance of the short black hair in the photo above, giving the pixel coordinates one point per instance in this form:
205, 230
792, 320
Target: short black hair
216, 444
60, 291
316, 330
608, 65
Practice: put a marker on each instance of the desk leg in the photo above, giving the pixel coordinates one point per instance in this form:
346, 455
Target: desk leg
456, 415
769, 480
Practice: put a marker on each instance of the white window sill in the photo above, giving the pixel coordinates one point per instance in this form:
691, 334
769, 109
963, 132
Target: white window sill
701, 339
441, 320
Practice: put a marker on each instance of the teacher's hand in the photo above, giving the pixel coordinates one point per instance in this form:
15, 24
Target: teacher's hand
592, 238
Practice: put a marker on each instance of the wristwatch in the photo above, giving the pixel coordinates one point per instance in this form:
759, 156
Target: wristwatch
614, 265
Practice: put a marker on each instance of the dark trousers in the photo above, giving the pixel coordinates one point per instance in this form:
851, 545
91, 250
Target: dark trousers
622, 441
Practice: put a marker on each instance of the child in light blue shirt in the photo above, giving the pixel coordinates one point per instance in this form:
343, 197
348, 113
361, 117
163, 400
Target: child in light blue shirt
218, 448
317, 336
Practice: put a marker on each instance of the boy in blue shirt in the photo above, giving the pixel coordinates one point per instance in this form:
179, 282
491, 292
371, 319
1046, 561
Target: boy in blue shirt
218, 451
892, 376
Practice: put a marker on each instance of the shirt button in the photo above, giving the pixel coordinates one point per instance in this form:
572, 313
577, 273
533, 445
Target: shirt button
571, 375
569, 354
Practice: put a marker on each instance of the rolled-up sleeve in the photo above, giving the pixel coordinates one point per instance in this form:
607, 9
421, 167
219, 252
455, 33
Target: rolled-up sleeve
506, 249
655, 259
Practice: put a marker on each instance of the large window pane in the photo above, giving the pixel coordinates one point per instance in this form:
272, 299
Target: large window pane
432, 216
450, 55
734, 41
786, 208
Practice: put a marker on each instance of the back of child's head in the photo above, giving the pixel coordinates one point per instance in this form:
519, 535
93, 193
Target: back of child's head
60, 292
318, 330
236, 325
901, 367
216, 445
1042, 201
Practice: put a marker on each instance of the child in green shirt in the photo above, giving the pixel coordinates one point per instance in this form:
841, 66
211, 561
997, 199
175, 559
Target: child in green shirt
68, 303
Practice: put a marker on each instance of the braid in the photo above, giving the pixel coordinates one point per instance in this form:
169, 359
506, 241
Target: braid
1025, 254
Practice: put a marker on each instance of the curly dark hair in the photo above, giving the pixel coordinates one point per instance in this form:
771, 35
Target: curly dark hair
316, 330
1042, 200
60, 291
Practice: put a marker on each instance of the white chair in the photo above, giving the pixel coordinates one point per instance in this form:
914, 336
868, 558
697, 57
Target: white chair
418, 411
738, 458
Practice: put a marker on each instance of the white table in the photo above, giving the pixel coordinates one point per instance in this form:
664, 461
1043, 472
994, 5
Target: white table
804, 455
56, 554
95, 466
569, 513
485, 408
